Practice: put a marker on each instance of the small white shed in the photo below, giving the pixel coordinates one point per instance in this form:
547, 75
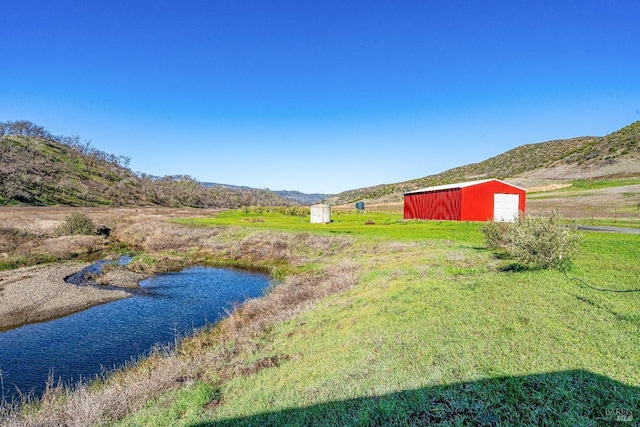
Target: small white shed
320, 214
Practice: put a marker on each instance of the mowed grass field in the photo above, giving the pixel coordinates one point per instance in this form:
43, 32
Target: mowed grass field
437, 330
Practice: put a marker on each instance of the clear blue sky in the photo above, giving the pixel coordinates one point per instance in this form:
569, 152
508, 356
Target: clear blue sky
318, 96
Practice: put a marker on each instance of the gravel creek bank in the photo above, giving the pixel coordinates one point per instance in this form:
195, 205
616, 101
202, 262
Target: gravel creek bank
39, 293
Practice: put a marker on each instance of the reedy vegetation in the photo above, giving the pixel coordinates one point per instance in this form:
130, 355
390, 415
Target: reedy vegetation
169, 246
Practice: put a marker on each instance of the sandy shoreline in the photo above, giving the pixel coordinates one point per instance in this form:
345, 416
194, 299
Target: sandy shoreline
39, 293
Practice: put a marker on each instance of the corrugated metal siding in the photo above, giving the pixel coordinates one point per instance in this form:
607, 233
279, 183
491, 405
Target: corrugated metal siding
442, 205
472, 203
477, 200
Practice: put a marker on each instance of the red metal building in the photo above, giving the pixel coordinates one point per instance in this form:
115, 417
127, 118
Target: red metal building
486, 200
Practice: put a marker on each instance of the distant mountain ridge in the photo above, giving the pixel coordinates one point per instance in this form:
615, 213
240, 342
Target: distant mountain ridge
291, 195
614, 155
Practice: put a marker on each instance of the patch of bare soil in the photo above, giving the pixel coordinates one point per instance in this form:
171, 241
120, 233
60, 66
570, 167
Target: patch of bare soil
548, 187
611, 167
39, 293
622, 203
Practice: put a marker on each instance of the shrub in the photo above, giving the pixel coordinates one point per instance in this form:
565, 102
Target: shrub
76, 223
539, 242
495, 234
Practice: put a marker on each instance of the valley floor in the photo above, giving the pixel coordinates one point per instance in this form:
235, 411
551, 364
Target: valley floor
378, 321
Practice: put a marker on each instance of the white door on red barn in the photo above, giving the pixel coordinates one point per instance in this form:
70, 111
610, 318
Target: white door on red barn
505, 207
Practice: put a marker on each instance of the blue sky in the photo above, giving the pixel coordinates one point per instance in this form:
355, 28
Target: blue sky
318, 96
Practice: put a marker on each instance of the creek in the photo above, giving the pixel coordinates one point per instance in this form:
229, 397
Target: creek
97, 340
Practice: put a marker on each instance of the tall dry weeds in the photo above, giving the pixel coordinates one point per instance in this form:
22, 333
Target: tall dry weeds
238, 335
213, 354
28, 234
86, 404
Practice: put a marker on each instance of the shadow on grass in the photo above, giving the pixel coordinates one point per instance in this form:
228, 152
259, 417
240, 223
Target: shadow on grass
568, 398
516, 268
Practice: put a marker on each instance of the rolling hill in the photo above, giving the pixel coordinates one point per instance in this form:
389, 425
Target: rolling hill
37, 168
614, 155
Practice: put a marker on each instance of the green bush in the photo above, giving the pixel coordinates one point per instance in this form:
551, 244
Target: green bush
495, 234
76, 223
538, 242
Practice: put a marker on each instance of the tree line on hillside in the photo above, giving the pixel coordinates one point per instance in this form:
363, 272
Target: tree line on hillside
38, 168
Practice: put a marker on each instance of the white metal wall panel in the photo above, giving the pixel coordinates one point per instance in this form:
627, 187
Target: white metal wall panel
320, 214
505, 207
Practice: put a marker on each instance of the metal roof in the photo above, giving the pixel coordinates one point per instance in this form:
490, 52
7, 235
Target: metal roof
459, 185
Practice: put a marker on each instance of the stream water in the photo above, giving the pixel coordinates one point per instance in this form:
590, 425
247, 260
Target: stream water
104, 337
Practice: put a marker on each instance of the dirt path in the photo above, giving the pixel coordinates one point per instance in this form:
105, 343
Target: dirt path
609, 229
39, 293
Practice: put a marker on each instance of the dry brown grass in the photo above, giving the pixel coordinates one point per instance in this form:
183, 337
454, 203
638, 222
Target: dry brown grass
86, 404
294, 249
618, 203
44, 220
150, 234
215, 354
28, 234
9, 240
65, 246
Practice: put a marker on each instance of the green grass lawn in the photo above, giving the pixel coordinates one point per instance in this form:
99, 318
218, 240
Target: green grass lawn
438, 331
370, 226
585, 184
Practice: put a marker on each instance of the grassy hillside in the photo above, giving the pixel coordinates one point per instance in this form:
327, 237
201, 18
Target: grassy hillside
37, 168
577, 157
40, 171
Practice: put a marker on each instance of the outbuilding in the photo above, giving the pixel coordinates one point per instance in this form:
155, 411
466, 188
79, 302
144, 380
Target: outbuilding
320, 214
485, 200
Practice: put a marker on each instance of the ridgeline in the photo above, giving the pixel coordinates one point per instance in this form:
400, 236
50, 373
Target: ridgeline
40, 169
612, 156
37, 168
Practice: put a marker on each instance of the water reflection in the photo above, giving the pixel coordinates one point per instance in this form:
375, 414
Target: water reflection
84, 344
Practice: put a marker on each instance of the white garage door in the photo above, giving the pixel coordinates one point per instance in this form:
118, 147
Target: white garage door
505, 207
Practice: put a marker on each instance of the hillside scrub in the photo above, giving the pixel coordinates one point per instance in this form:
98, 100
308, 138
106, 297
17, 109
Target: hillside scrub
41, 169
581, 157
